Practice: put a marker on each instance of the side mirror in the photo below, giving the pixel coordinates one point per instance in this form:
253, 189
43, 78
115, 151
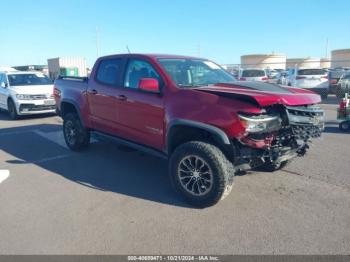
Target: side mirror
149, 85
3, 85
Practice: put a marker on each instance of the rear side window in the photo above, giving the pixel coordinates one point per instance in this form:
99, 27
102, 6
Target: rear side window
253, 73
311, 72
109, 71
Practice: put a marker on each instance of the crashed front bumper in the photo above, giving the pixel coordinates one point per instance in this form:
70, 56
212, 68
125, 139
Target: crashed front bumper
301, 124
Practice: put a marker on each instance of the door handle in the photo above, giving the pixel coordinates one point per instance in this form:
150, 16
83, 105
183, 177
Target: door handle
93, 92
122, 97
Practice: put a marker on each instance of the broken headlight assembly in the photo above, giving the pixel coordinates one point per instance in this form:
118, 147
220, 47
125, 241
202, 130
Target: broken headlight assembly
260, 123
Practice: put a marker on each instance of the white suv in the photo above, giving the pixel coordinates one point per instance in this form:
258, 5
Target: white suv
314, 79
253, 75
26, 93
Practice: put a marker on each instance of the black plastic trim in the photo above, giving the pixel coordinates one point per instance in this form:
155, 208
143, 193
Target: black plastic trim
134, 145
219, 135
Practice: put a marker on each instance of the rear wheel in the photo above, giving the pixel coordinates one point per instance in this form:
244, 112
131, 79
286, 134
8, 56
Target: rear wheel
12, 110
201, 173
75, 135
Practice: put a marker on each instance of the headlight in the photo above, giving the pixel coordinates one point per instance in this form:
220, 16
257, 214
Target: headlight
23, 97
260, 123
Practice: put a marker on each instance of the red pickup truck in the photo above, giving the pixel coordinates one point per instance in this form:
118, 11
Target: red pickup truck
192, 112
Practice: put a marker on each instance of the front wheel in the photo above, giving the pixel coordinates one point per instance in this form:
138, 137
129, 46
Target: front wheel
75, 135
12, 110
201, 173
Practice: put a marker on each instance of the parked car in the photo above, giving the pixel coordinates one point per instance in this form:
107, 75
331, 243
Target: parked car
343, 85
333, 78
314, 79
282, 78
26, 93
253, 75
192, 112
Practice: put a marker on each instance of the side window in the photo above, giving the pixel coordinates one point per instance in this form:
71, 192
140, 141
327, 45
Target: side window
138, 69
109, 71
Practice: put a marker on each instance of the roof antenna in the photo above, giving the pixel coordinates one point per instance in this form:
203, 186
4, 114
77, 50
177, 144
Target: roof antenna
127, 48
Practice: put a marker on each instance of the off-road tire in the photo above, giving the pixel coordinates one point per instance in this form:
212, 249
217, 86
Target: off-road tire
222, 172
11, 108
81, 137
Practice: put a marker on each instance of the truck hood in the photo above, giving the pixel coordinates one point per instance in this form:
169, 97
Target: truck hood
264, 94
33, 89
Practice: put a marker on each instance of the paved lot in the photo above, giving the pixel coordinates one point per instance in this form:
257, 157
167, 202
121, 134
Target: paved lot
113, 200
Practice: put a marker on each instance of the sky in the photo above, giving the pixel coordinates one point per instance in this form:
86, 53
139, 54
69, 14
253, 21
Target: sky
221, 30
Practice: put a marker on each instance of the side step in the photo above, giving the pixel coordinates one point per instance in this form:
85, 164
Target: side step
117, 140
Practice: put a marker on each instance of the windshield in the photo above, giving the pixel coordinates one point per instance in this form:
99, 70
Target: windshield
311, 72
28, 79
253, 73
195, 72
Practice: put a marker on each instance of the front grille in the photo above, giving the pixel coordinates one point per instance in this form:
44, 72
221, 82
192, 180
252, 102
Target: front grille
33, 108
41, 97
38, 97
306, 121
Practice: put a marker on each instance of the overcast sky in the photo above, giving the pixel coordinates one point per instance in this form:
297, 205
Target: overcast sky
221, 30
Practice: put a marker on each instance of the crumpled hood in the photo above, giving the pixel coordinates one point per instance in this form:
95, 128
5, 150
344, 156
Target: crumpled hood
33, 89
264, 94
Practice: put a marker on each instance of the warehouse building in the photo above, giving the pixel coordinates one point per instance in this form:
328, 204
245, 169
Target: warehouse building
67, 66
263, 61
340, 58
308, 62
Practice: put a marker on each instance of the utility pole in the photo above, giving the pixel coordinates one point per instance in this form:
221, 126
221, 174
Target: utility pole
326, 48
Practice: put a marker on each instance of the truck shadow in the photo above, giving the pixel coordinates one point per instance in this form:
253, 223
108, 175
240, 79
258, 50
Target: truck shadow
103, 166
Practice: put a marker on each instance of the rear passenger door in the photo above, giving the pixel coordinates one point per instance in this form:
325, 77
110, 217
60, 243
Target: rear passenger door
141, 114
102, 95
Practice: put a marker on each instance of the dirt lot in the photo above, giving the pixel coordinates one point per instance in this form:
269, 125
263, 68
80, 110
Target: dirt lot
114, 200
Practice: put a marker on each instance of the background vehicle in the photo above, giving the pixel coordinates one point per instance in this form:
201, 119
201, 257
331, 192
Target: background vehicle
314, 79
253, 75
343, 85
272, 75
282, 78
344, 113
192, 112
333, 78
24, 93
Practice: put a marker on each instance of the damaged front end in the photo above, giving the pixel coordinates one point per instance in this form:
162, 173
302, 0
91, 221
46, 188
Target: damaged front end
278, 135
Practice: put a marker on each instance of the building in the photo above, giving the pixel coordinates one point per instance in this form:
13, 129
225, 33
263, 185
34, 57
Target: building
263, 61
67, 66
325, 63
340, 58
308, 62
7, 69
